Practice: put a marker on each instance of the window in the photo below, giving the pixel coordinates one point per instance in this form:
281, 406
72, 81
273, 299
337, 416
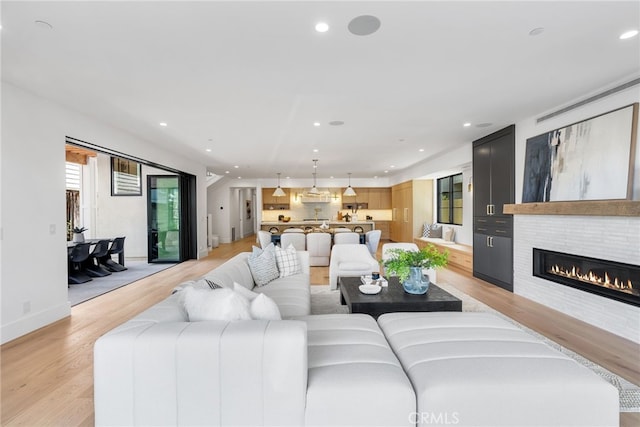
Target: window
450, 200
125, 177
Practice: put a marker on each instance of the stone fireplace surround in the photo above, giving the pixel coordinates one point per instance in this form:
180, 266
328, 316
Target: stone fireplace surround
615, 238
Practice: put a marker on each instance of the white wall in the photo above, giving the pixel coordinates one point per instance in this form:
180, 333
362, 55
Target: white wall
121, 215
34, 272
611, 238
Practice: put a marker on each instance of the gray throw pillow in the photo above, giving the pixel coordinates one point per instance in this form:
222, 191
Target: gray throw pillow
436, 231
262, 263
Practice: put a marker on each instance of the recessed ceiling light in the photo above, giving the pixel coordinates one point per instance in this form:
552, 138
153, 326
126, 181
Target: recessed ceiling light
236, 166
386, 171
536, 31
392, 166
226, 171
288, 177
467, 124
163, 124
316, 124
364, 25
322, 27
336, 123
208, 150
375, 177
421, 150
239, 177
315, 150
483, 125
628, 34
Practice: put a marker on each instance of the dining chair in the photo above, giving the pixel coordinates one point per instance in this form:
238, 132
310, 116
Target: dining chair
117, 248
346, 238
92, 265
76, 273
293, 230
298, 240
319, 247
372, 240
264, 238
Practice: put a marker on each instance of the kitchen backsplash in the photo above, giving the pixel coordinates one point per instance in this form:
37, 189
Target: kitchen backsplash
325, 211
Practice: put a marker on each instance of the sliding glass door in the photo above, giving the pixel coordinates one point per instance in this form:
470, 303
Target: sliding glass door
164, 218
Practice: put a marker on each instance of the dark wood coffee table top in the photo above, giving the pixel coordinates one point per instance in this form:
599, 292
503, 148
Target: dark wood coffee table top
393, 298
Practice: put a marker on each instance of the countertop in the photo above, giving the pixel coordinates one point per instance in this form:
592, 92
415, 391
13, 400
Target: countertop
315, 222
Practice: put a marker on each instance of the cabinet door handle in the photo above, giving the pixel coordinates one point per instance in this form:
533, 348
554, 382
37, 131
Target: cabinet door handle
488, 245
491, 241
393, 214
406, 214
501, 231
488, 209
481, 229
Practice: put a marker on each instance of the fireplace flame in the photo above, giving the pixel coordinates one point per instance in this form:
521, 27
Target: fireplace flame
592, 278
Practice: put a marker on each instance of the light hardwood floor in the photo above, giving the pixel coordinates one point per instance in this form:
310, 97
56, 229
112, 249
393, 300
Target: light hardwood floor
47, 375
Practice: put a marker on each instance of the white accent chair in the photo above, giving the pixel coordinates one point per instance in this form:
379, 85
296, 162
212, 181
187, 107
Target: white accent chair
350, 260
264, 238
293, 230
431, 272
319, 247
349, 238
298, 241
372, 239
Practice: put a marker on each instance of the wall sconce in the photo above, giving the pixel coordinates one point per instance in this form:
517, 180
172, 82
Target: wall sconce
296, 197
470, 185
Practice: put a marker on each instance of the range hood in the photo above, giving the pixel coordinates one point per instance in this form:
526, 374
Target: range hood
322, 198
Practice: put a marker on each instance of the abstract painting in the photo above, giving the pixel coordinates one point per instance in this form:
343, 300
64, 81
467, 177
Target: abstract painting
589, 160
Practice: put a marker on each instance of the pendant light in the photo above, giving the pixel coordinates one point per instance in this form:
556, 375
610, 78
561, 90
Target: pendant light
314, 190
349, 191
279, 191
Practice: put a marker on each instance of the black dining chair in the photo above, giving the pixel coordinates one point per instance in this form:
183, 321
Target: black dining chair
78, 255
117, 248
93, 267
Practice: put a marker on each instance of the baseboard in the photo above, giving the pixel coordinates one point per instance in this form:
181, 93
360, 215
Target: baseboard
34, 321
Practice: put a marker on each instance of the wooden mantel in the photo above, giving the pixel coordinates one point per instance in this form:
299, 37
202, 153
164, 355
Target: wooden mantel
587, 208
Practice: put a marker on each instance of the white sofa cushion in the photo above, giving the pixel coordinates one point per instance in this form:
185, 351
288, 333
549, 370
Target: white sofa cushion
212, 373
483, 370
354, 377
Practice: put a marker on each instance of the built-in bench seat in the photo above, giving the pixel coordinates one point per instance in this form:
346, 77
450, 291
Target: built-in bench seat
460, 255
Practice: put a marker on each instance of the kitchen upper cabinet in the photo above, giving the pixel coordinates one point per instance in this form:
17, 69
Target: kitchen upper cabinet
368, 198
379, 198
269, 202
493, 187
412, 206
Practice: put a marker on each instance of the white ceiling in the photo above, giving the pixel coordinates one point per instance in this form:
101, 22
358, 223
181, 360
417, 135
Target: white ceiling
249, 79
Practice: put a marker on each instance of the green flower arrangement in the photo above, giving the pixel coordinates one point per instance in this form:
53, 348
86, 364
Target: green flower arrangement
400, 260
79, 229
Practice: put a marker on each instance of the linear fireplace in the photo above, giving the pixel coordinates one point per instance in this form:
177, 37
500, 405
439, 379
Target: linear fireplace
609, 279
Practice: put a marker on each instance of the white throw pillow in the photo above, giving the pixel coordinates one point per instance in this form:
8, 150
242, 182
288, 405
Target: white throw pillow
448, 234
262, 307
287, 261
217, 304
262, 263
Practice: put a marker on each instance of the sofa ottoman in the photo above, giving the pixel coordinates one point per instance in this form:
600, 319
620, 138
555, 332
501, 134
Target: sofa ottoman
354, 379
476, 369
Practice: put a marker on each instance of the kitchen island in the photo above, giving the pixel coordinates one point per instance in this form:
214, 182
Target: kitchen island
280, 226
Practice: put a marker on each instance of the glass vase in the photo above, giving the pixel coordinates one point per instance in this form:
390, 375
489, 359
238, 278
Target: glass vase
417, 283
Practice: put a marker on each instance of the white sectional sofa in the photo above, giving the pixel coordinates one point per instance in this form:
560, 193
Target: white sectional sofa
335, 370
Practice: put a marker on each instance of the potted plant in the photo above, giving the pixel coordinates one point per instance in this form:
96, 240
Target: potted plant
78, 237
408, 266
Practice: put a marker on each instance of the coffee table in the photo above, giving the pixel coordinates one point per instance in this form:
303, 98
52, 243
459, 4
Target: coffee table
394, 299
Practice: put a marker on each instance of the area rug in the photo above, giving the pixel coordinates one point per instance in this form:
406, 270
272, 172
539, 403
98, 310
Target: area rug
136, 270
326, 301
